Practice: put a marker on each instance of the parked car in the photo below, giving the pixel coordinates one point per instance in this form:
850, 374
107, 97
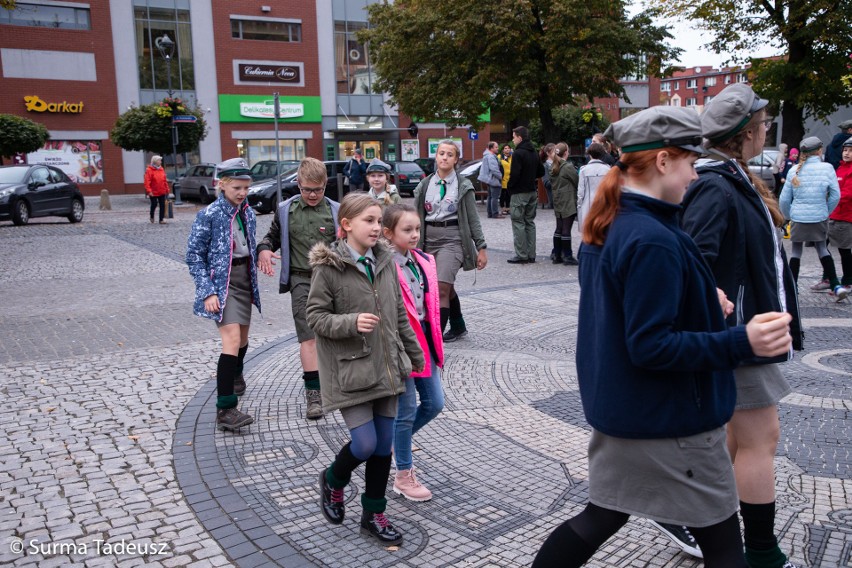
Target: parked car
263, 195
405, 176
760, 166
266, 169
28, 191
471, 171
426, 164
199, 183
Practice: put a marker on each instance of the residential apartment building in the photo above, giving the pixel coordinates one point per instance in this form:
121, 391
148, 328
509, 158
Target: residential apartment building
76, 66
696, 86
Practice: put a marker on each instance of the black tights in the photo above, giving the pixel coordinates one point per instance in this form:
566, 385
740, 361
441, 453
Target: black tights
578, 538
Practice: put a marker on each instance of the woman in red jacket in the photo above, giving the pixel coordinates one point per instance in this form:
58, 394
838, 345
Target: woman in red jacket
840, 220
157, 187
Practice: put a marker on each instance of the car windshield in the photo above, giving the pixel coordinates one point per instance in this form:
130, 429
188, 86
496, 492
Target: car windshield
14, 174
408, 167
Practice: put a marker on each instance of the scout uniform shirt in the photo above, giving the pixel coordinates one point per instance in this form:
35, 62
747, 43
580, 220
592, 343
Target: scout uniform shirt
445, 209
308, 226
415, 278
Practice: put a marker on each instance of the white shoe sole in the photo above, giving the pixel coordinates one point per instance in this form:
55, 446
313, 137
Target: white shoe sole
399, 492
691, 550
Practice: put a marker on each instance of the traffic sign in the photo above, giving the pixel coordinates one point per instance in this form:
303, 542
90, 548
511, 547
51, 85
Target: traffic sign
473, 134
184, 119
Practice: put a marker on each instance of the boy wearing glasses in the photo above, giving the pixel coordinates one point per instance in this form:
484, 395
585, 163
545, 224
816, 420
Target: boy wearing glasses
301, 222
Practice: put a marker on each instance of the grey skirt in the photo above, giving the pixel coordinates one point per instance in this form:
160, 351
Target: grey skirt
759, 386
238, 302
840, 233
446, 245
683, 481
360, 414
808, 232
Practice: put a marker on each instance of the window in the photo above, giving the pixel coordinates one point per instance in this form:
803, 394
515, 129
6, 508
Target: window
353, 70
742, 78
259, 150
691, 102
40, 175
708, 98
710, 82
727, 79
677, 85
266, 30
152, 21
692, 83
34, 14
80, 160
667, 87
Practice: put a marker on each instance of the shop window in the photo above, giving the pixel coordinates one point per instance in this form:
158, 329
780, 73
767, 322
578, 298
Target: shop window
258, 150
266, 30
39, 15
80, 160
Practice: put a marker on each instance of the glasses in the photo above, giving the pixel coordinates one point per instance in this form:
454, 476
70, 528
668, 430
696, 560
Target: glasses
768, 122
312, 190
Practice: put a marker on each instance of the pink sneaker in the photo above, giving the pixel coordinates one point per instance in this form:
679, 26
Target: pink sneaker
405, 483
821, 286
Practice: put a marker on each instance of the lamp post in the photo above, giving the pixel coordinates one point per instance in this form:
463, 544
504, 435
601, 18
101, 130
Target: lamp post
166, 47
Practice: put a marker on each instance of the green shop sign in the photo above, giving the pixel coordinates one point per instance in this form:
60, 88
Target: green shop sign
260, 108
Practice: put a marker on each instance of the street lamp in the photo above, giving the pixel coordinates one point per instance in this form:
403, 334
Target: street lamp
166, 47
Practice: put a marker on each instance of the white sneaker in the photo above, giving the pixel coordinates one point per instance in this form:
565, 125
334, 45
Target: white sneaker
842, 292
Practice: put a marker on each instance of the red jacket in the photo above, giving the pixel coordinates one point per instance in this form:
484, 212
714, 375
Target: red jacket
843, 211
155, 182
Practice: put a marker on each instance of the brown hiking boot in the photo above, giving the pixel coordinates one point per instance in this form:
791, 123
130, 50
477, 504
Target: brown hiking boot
314, 400
240, 385
232, 419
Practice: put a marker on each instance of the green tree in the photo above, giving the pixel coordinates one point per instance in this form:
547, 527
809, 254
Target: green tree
815, 34
574, 124
8, 4
148, 128
18, 134
451, 60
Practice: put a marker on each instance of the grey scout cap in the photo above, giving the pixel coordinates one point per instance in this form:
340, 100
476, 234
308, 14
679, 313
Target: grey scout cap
729, 111
658, 127
846, 124
378, 166
810, 144
848, 142
235, 168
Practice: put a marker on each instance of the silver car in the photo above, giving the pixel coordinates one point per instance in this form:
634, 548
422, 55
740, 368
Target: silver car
199, 183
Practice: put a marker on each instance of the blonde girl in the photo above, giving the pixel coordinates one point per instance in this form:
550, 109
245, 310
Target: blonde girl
221, 257
365, 350
418, 275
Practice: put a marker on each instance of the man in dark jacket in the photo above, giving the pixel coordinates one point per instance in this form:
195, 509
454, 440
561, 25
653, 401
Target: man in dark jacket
835, 148
522, 188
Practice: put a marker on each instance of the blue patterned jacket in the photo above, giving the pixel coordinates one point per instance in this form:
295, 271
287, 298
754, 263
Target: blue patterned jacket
209, 250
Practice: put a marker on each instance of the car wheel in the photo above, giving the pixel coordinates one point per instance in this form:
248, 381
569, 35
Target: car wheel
76, 214
204, 196
21, 213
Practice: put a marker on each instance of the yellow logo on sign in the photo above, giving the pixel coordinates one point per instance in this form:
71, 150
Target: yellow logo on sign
35, 104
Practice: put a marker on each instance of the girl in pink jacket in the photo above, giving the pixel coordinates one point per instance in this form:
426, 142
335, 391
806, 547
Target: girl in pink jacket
418, 277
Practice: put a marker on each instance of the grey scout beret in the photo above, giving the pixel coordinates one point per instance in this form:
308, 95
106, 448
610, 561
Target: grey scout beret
658, 127
235, 168
846, 124
729, 111
810, 144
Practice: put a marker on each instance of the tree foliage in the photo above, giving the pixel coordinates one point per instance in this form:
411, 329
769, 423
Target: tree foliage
147, 128
815, 34
18, 134
573, 123
451, 60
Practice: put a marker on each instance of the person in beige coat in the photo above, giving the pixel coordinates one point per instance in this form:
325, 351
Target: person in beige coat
365, 350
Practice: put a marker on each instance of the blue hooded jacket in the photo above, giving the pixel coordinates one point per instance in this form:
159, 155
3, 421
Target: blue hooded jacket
209, 251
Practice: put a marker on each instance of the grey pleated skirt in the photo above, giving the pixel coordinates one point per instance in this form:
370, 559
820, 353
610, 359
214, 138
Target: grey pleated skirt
238, 302
759, 386
808, 232
446, 245
683, 481
840, 233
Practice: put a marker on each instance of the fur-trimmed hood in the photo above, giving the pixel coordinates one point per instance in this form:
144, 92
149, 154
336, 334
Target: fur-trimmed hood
337, 255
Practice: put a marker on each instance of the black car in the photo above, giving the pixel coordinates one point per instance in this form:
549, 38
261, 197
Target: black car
266, 169
405, 176
28, 191
263, 195
426, 164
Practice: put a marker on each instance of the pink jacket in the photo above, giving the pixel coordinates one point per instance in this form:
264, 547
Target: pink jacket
432, 305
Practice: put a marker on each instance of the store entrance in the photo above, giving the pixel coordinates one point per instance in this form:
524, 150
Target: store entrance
369, 149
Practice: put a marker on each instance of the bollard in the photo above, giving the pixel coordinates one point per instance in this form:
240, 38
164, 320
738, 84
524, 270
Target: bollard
105, 204
170, 210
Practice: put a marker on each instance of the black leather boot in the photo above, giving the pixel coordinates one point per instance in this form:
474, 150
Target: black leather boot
378, 526
331, 502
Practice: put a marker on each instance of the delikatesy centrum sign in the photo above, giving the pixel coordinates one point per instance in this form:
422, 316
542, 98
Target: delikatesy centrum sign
266, 109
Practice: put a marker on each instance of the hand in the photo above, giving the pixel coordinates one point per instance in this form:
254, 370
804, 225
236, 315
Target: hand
418, 369
366, 322
266, 262
481, 259
211, 304
726, 305
769, 334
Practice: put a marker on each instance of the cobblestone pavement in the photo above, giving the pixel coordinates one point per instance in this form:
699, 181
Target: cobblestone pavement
109, 456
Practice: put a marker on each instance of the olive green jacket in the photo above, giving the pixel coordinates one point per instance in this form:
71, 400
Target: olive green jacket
358, 367
473, 239
565, 189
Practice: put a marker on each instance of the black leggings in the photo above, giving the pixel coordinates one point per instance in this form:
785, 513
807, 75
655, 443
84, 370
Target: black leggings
161, 201
578, 538
564, 226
